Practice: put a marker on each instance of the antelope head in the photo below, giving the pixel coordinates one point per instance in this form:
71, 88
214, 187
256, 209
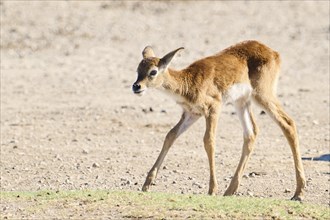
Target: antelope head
152, 70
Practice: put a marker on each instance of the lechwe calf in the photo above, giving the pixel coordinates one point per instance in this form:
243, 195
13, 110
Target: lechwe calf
245, 71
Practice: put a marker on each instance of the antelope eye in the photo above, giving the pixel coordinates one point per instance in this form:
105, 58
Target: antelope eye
153, 73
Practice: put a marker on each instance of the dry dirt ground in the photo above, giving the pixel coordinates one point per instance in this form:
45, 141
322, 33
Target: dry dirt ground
69, 120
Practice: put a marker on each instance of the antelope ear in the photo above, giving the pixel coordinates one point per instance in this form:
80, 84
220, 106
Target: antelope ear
148, 52
166, 60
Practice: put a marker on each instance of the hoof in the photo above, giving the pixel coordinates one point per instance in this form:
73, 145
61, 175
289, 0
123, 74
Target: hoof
145, 188
232, 188
229, 193
297, 198
212, 193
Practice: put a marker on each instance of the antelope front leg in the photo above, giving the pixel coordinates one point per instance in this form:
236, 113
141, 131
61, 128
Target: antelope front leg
185, 122
209, 145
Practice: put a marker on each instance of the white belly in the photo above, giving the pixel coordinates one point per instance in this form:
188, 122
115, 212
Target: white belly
240, 92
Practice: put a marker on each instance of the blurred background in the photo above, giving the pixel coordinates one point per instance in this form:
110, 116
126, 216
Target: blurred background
69, 119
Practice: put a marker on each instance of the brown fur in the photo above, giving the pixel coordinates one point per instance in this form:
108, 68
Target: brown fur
200, 88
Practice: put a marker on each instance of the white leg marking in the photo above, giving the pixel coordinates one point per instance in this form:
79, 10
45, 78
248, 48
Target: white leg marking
240, 95
244, 117
188, 121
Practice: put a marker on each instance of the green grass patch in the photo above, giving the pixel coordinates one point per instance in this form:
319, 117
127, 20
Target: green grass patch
133, 205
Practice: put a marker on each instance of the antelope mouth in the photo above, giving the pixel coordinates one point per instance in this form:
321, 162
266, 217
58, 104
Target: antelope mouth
140, 92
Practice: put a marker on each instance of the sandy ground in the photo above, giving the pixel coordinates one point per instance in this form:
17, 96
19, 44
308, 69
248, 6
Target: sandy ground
69, 120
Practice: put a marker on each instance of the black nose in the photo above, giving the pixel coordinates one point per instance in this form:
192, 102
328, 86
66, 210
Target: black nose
136, 87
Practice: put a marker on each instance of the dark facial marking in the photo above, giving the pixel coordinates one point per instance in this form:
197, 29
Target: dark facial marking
145, 66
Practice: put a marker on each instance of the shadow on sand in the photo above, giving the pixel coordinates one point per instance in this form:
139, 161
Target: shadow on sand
324, 157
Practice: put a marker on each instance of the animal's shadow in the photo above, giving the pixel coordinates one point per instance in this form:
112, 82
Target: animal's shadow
324, 157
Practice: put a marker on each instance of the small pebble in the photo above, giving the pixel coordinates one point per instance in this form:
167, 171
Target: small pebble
315, 122
287, 191
96, 165
250, 193
290, 212
286, 103
304, 90
197, 184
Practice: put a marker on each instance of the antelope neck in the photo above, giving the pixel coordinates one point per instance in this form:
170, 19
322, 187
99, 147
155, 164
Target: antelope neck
175, 82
